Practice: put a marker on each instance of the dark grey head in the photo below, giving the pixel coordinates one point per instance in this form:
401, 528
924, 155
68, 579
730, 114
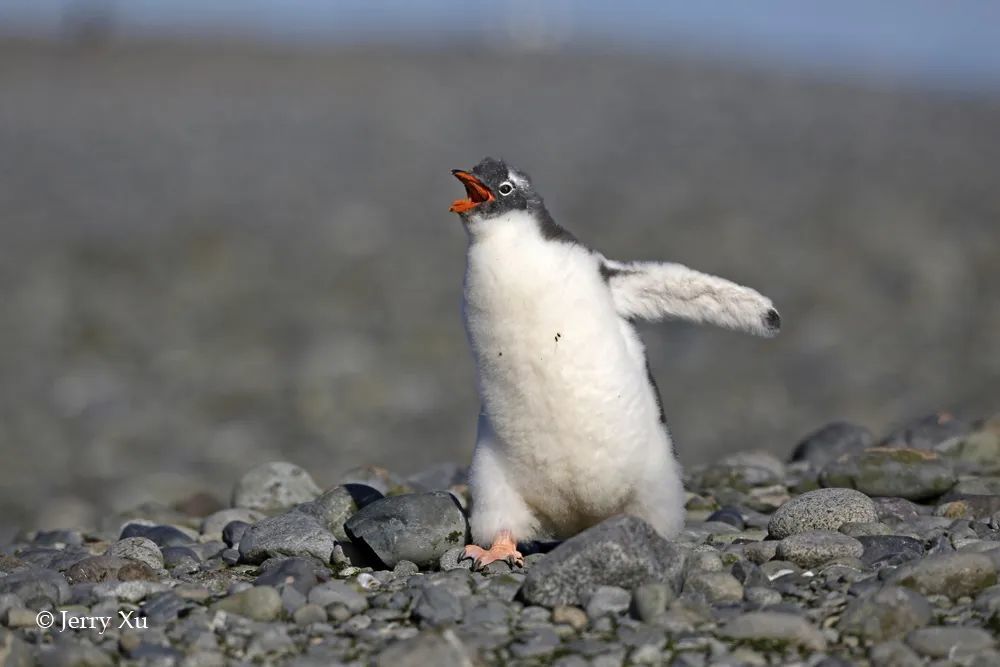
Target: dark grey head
494, 189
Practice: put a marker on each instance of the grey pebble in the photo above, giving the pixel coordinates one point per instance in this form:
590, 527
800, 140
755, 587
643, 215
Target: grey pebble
288, 534
622, 551
771, 625
954, 643
889, 549
418, 527
605, 600
717, 587
887, 614
831, 441
161, 536
274, 486
822, 509
954, 574
335, 506
914, 474
140, 549
816, 547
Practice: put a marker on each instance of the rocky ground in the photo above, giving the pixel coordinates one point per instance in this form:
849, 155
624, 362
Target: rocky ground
856, 551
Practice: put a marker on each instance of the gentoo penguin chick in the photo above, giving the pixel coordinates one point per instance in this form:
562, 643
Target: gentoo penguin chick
571, 429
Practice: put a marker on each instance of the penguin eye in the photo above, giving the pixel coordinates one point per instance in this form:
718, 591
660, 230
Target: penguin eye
505, 188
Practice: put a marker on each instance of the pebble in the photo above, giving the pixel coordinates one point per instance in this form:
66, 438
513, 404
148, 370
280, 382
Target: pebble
621, 551
953, 643
889, 613
212, 526
574, 617
775, 627
830, 442
259, 603
139, 549
717, 587
822, 509
605, 600
816, 547
161, 536
418, 527
927, 432
335, 506
289, 534
889, 549
913, 474
952, 574
274, 486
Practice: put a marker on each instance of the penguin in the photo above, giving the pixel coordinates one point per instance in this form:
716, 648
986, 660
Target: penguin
572, 429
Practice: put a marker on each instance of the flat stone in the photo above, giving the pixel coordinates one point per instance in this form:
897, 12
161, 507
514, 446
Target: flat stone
743, 471
259, 603
816, 547
622, 551
608, 600
161, 536
338, 592
927, 432
888, 614
418, 527
831, 441
274, 486
289, 534
952, 574
717, 587
431, 647
774, 626
914, 474
31, 583
950, 642
822, 509
889, 549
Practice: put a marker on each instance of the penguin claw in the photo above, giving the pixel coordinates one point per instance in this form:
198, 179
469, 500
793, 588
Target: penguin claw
498, 552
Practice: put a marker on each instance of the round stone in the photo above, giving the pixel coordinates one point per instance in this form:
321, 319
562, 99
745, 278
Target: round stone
950, 642
816, 547
274, 486
914, 474
822, 509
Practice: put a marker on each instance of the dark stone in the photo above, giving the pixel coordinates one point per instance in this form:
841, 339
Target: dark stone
33, 583
163, 536
418, 527
289, 534
622, 551
927, 432
300, 573
233, 532
335, 506
824, 445
730, 515
889, 549
176, 556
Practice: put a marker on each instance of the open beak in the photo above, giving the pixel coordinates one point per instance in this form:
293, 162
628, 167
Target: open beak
474, 188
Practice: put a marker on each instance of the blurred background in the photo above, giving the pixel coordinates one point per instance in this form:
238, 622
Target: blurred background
224, 235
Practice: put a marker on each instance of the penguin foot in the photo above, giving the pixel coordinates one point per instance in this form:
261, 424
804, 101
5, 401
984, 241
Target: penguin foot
504, 548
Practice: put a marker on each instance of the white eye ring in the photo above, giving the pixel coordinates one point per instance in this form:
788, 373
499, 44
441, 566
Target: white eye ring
505, 188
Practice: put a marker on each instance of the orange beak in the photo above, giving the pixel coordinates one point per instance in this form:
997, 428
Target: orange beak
478, 193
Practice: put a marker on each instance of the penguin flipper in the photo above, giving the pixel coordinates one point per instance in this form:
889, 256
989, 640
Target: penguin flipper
660, 290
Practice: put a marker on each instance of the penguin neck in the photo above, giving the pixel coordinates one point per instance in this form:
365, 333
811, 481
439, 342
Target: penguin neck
529, 225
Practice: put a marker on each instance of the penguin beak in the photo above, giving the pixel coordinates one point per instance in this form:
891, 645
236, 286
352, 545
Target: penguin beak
477, 191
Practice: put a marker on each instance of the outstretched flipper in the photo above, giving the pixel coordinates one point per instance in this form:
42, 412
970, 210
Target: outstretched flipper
659, 290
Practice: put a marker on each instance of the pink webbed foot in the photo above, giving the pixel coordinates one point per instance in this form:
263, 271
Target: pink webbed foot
504, 548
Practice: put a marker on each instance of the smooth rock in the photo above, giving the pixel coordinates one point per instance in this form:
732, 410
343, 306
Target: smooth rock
889, 549
774, 626
213, 525
431, 647
717, 587
893, 654
32, 583
816, 547
743, 471
888, 614
161, 536
288, 534
259, 603
622, 551
822, 509
927, 432
338, 593
607, 600
950, 642
649, 601
953, 574
274, 486
139, 549
914, 474
335, 506
831, 441
418, 527
382, 480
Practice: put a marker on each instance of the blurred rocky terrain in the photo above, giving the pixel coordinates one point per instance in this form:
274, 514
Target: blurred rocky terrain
214, 257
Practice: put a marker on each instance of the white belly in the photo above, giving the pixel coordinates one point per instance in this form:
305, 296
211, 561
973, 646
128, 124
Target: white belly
562, 379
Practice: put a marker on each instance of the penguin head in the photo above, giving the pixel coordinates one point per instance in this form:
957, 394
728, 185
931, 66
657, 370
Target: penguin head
493, 190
